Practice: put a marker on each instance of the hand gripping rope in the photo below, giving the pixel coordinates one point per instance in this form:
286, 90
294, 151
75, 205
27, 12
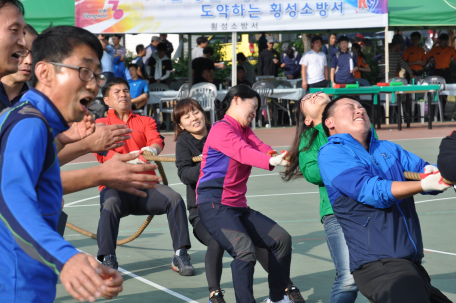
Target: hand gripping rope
158, 159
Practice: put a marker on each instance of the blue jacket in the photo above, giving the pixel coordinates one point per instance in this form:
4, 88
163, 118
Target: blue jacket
292, 66
32, 252
341, 63
376, 225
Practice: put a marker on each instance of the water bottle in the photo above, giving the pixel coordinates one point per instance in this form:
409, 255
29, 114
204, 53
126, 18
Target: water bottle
220, 86
351, 65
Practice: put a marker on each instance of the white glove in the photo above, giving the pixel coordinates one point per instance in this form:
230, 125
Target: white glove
429, 169
152, 150
434, 182
279, 160
139, 160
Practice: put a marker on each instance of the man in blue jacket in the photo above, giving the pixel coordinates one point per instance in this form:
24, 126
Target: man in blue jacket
374, 205
66, 66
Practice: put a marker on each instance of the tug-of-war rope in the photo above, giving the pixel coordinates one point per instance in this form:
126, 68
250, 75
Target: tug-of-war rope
158, 159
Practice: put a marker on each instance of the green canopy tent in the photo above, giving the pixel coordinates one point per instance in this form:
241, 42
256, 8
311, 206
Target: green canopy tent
424, 14
42, 13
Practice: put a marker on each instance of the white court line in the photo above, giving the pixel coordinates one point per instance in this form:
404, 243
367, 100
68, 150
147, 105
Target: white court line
68, 204
310, 192
164, 289
79, 163
434, 200
254, 196
440, 252
249, 177
83, 205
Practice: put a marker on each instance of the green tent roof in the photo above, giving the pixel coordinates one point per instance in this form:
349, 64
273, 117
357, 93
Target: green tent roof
402, 13
422, 13
42, 13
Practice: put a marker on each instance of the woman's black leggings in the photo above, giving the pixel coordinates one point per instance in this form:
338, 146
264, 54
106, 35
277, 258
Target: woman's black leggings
214, 255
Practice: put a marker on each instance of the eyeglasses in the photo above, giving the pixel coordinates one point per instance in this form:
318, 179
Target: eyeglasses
86, 74
26, 52
308, 96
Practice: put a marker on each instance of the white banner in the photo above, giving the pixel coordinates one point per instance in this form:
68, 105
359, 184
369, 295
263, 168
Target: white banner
206, 16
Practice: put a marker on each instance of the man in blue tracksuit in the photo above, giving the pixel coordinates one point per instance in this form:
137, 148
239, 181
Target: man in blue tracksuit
66, 66
374, 205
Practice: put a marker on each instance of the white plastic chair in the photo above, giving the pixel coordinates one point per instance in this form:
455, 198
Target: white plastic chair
265, 89
183, 93
286, 106
433, 80
394, 105
205, 94
154, 87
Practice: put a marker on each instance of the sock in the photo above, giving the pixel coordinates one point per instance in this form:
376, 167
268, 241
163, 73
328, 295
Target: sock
177, 252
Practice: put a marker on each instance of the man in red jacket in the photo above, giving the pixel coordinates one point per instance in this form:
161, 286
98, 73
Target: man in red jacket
116, 204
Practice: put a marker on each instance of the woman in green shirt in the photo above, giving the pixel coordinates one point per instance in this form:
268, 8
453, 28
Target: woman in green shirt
310, 136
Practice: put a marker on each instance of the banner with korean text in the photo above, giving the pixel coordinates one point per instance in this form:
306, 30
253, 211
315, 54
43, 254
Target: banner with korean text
206, 16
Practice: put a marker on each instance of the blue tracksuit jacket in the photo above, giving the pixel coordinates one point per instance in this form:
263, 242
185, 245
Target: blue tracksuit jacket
32, 252
375, 224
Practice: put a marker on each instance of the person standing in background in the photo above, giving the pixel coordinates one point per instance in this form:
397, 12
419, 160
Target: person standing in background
442, 55
198, 51
119, 50
107, 61
415, 56
169, 45
290, 62
343, 64
362, 65
151, 48
313, 66
268, 61
248, 68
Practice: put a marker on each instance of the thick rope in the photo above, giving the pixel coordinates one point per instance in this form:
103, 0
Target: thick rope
161, 170
158, 159
417, 177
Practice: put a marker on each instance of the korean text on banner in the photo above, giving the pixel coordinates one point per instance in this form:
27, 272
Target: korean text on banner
204, 16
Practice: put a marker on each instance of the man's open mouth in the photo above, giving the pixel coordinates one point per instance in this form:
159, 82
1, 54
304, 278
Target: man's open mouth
85, 103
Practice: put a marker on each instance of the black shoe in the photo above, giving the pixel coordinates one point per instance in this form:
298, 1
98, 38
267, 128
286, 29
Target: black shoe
111, 261
294, 295
182, 264
217, 297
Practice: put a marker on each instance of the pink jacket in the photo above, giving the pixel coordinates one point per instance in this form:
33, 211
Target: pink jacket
228, 156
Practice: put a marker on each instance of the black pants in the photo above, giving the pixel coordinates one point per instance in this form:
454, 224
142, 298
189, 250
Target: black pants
116, 204
214, 255
323, 83
239, 230
446, 74
396, 281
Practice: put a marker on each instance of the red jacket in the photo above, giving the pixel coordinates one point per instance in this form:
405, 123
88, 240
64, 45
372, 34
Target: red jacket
144, 134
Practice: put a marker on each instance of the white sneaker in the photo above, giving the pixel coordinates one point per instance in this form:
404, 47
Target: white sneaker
284, 300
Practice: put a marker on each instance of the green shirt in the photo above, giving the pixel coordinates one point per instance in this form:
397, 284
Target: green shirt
309, 165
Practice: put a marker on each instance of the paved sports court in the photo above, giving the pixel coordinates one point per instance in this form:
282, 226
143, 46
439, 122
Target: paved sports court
146, 262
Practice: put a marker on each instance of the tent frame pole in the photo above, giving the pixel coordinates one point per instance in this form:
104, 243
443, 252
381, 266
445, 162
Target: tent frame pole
386, 73
234, 59
190, 78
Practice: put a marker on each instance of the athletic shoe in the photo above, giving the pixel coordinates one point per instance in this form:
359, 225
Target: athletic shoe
182, 264
284, 300
217, 297
294, 295
111, 261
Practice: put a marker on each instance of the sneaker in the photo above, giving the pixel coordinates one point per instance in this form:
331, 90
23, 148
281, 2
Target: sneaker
110, 261
294, 295
217, 297
182, 264
284, 300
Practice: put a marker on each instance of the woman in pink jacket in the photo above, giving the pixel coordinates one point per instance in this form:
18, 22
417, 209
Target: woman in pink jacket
230, 151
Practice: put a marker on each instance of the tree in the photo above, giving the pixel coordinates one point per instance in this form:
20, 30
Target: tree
306, 42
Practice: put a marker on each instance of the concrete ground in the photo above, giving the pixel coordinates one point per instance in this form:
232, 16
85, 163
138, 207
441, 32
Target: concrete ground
145, 262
